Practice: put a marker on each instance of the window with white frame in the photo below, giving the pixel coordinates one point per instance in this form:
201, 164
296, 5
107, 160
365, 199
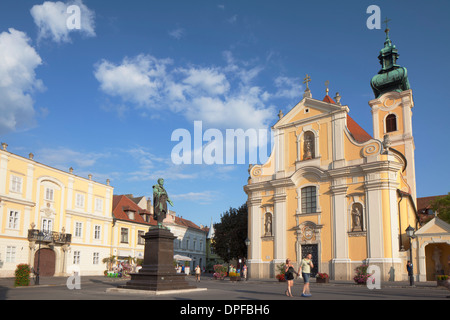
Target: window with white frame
49, 194
140, 239
124, 235
47, 225
16, 184
96, 258
76, 257
78, 229
98, 204
10, 254
79, 201
97, 232
13, 221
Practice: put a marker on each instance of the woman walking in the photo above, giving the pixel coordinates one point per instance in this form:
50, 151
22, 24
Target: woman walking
197, 273
305, 267
289, 276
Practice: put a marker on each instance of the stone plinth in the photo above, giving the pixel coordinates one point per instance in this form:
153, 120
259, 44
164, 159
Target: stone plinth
158, 272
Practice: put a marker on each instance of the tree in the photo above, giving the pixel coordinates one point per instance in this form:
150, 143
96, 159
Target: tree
230, 234
441, 205
109, 261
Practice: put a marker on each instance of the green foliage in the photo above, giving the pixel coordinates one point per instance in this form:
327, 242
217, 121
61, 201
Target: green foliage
281, 268
220, 271
230, 234
442, 207
22, 275
361, 274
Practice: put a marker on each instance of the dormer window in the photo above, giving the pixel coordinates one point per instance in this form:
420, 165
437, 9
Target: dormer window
130, 212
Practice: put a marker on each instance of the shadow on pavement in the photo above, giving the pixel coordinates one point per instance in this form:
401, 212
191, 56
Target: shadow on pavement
3, 292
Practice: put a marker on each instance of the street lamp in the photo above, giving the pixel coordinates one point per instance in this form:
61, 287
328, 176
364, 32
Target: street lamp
40, 237
247, 243
410, 233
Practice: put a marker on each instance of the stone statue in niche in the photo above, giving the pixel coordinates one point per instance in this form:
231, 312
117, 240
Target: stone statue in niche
357, 218
437, 260
308, 146
268, 225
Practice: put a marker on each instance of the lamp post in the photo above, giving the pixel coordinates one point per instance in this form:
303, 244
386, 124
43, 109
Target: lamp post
247, 243
40, 237
410, 233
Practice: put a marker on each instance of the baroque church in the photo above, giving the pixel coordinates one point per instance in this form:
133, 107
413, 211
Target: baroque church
331, 189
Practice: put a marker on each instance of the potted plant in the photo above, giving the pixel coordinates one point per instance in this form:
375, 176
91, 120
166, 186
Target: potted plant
361, 274
322, 278
234, 276
442, 280
220, 272
280, 276
22, 275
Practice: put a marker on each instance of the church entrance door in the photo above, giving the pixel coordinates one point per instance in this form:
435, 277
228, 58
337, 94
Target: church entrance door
313, 249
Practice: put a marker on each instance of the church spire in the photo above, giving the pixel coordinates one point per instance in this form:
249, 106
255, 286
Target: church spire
391, 77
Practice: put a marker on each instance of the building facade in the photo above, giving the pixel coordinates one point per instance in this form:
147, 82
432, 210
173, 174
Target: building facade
130, 223
56, 217
190, 240
331, 189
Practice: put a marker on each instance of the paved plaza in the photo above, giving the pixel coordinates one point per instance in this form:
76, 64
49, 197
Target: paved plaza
95, 288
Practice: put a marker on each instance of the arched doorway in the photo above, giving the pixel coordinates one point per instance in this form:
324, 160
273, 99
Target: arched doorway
437, 260
47, 262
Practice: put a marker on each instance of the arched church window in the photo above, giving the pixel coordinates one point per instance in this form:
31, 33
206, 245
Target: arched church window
391, 123
309, 146
309, 204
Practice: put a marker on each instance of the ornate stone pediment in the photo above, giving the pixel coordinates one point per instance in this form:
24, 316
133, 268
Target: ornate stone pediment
308, 232
48, 211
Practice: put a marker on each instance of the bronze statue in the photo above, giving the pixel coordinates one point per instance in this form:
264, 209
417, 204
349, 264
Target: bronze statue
160, 199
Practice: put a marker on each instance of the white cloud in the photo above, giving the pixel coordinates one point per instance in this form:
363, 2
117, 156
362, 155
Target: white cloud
205, 197
177, 33
63, 158
209, 81
288, 87
18, 61
52, 18
139, 80
223, 97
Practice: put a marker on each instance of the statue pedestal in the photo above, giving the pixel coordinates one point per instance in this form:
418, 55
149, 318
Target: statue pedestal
158, 272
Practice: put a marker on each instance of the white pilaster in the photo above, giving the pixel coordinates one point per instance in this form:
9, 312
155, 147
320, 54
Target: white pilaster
279, 218
3, 175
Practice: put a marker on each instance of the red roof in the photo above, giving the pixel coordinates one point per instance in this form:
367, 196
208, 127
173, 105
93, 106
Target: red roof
186, 223
358, 133
425, 202
123, 203
328, 99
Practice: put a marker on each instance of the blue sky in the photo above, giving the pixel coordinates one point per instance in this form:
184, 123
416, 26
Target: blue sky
105, 99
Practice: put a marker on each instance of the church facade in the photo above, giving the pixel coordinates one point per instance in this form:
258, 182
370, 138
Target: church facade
331, 189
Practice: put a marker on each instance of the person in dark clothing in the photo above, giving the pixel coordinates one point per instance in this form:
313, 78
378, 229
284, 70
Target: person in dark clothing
289, 276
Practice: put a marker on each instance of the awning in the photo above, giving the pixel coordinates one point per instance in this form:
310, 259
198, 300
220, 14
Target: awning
181, 258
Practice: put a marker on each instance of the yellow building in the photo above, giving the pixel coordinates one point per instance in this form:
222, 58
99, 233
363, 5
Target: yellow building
66, 216
331, 189
131, 221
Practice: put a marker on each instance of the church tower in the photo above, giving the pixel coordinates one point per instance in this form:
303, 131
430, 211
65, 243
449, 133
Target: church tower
392, 109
